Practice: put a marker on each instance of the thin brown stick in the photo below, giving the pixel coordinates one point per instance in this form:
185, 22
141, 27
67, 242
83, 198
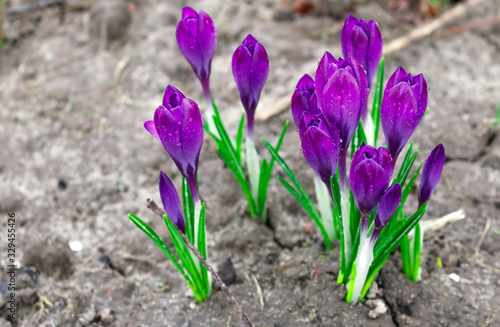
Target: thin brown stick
470, 25
392, 47
154, 207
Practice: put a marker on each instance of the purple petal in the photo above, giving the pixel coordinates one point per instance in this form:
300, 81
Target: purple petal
375, 50
431, 174
399, 116
370, 175
321, 150
171, 202
327, 67
304, 99
207, 38
191, 134
172, 97
151, 128
388, 205
260, 70
340, 103
242, 62
168, 129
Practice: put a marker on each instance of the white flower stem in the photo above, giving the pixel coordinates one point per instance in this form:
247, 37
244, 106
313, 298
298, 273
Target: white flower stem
363, 262
253, 168
325, 207
345, 205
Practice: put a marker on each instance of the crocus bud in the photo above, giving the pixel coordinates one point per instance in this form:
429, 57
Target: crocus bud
431, 174
403, 106
197, 38
171, 202
179, 127
250, 70
342, 91
363, 42
388, 205
320, 145
304, 99
371, 171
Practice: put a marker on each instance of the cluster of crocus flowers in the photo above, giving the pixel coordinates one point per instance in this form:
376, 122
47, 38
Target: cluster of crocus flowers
332, 118
362, 206
178, 125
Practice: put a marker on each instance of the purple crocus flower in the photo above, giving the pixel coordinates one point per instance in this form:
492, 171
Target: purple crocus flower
371, 171
320, 145
197, 38
403, 106
304, 99
179, 127
389, 202
363, 42
171, 202
250, 70
342, 90
431, 174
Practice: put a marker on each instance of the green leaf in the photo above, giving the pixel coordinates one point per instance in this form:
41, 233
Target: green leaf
377, 100
417, 248
406, 166
358, 138
405, 256
385, 247
187, 261
337, 215
159, 243
264, 183
229, 156
202, 247
188, 208
239, 139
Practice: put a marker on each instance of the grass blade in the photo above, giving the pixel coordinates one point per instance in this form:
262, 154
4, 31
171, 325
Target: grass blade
377, 100
188, 208
159, 243
239, 139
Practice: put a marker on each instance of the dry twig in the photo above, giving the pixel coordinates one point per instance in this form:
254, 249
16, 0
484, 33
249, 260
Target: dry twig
154, 207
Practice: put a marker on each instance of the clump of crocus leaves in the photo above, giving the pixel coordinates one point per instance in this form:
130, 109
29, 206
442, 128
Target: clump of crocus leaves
364, 208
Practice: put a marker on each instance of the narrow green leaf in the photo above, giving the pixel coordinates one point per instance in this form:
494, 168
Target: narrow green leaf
406, 166
230, 157
377, 100
262, 187
311, 211
186, 259
159, 243
385, 247
405, 256
188, 208
358, 138
337, 213
239, 139
417, 249
371, 277
202, 247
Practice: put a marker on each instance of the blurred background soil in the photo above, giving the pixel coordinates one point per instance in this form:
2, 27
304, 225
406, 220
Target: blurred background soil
78, 81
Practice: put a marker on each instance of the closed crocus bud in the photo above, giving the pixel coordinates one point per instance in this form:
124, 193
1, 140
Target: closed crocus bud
250, 70
388, 205
363, 42
304, 99
171, 202
320, 145
371, 171
431, 174
179, 127
403, 106
197, 39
